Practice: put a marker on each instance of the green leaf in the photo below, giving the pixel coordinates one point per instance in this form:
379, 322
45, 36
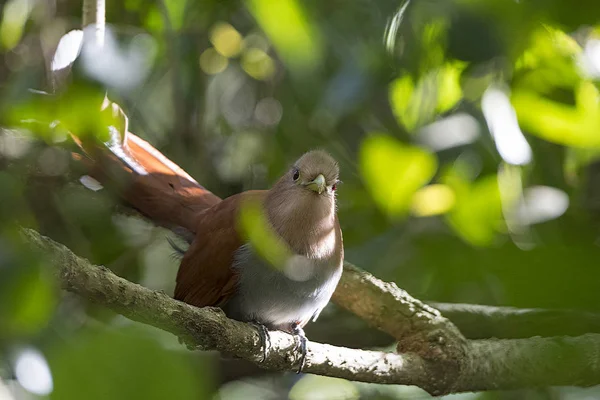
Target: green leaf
15, 15
176, 12
558, 122
401, 98
477, 213
50, 117
393, 171
292, 33
29, 299
449, 91
255, 228
416, 104
112, 365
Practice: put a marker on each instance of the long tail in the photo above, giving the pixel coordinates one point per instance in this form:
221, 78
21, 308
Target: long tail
145, 179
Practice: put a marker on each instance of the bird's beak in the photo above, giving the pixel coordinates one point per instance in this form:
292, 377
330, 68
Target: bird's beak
318, 184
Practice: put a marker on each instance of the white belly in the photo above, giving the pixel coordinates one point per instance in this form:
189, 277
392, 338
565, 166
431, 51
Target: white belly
273, 298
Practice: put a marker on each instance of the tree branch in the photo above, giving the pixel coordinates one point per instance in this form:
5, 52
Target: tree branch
93, 13
482, 322
481, 365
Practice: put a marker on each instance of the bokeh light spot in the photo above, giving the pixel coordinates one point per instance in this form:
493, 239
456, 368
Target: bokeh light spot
211, 62
258, 64
33, 373
433, 200
226, 40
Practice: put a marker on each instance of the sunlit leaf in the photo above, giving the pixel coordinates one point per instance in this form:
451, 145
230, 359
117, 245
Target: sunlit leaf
550, 46
51, 117
111, 365
477, 214
433, 200
403, 105
393, 171
416, 103
287, 25
449, 90
256, 228
559, 122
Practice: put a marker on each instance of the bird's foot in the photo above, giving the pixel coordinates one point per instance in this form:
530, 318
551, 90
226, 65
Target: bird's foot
265, 339
299, 332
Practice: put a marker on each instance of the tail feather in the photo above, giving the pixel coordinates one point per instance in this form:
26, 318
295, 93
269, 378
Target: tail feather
147, 180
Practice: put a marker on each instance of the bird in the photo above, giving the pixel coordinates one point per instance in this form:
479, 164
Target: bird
221, 267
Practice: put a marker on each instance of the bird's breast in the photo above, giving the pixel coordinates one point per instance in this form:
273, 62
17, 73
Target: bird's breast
277, 298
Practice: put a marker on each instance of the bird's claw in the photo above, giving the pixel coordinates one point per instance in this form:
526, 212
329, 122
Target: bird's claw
303, 344
265, 339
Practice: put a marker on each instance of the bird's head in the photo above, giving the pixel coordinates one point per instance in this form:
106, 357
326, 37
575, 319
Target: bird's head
308, 189
316, 172
302, 204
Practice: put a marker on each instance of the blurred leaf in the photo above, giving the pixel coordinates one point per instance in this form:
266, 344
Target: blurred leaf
449, 92
549, 95
111, 365
14, 16
404, 106
154, 21
549, 61
433, 200
175, 12
436, 92
393, 171
51, 117
28, 298
477, 214
256, 228
433, 44
558, 122
294, 36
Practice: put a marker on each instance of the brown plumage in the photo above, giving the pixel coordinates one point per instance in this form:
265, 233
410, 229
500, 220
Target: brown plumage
219, 268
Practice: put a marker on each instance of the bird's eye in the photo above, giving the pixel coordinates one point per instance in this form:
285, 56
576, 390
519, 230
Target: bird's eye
296, 175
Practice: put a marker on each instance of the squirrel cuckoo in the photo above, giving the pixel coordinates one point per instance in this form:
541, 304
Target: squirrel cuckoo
219, 268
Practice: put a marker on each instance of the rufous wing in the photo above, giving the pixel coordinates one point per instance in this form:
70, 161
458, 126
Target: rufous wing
206, 276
